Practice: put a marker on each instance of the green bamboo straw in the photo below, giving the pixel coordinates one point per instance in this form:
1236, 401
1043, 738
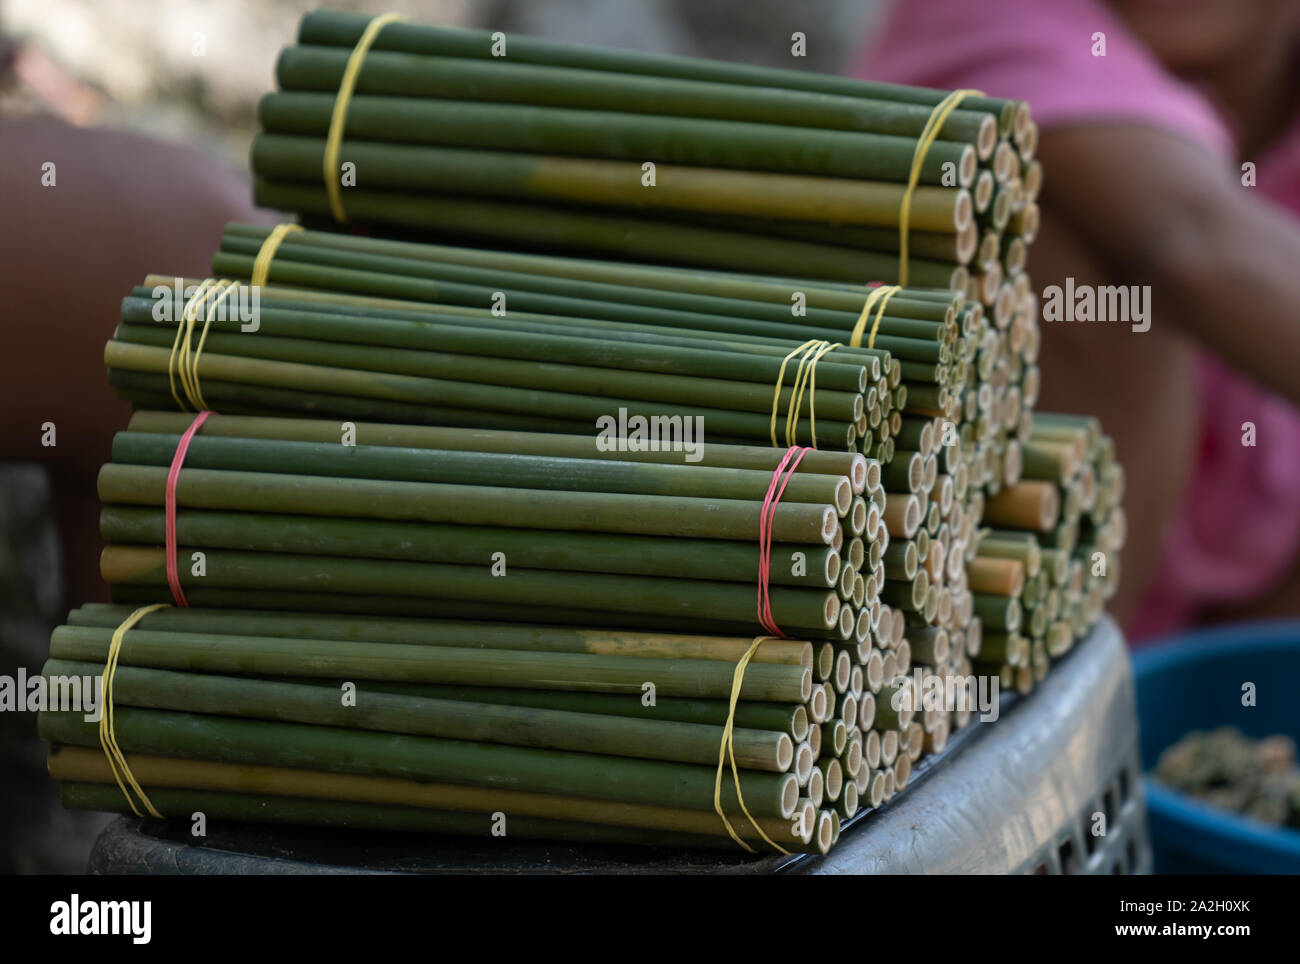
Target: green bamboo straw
705, 142
722, 289
715, 393
396, 662
577, 343
79, 764
392, 713
795, 609
679, 187
340, 750
460, 78
333, 28
441, 392
467, 504
382, 462
811, 566
640, 239
849, 464
362, 816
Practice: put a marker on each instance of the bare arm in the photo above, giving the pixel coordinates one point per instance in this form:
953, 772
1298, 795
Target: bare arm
1222, 264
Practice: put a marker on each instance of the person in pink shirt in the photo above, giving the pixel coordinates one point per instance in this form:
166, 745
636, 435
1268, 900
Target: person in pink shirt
1170, 141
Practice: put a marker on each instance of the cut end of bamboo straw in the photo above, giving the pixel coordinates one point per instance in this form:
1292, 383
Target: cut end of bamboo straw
784, 752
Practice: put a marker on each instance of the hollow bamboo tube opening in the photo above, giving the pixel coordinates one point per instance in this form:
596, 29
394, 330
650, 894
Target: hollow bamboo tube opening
853, 757
832, 564
982, 191
816, 787
857, 552
871, 523
858, 516
889, 747
830, 524
843, 668
862, 628
815, 740
876, 791
875, 670
857, 683
834, 780
784, 752
799, 724
1006, 163
844, 585
843, 494
838, 734
825, 661
866, 712
817, 709
872, 749
789, 795
803, 761
902, 771
890, 783
863, 782
825, 831
849, 801
849, 709
847, 621
871, 481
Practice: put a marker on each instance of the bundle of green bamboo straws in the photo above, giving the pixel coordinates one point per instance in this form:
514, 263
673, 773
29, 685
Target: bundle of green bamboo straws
523, 140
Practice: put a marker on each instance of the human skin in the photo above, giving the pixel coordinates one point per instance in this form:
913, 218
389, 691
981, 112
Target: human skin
121, 207
1127, 203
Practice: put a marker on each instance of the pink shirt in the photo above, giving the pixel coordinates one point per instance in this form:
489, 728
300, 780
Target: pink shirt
1239, 531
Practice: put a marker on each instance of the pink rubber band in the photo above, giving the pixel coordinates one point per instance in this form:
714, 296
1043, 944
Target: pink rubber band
766, 517
169, 508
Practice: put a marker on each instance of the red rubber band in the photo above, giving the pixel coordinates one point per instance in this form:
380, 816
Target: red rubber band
169, 509
766, 517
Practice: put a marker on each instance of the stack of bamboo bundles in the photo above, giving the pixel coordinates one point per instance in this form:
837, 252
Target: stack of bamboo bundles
287, 524
396, 331
410, 520
1050, 556
475, 728
522, 140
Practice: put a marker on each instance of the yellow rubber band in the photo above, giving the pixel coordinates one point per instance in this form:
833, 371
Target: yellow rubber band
891, 290
262, 263
860, 327
334, 140
182, 363
225, 288
728, 749
928, 135
107, 736
174, 364
806, 378
780, 380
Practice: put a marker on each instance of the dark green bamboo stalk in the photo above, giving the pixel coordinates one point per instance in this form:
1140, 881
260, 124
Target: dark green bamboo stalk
397, 662
467, 505
460, 78
340, 750
392, 713
331, 28
810, 566
705, 142
795, 609
382, 462
849, 464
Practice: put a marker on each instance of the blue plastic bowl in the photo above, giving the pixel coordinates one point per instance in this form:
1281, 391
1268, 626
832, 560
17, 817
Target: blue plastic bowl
1194, 682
